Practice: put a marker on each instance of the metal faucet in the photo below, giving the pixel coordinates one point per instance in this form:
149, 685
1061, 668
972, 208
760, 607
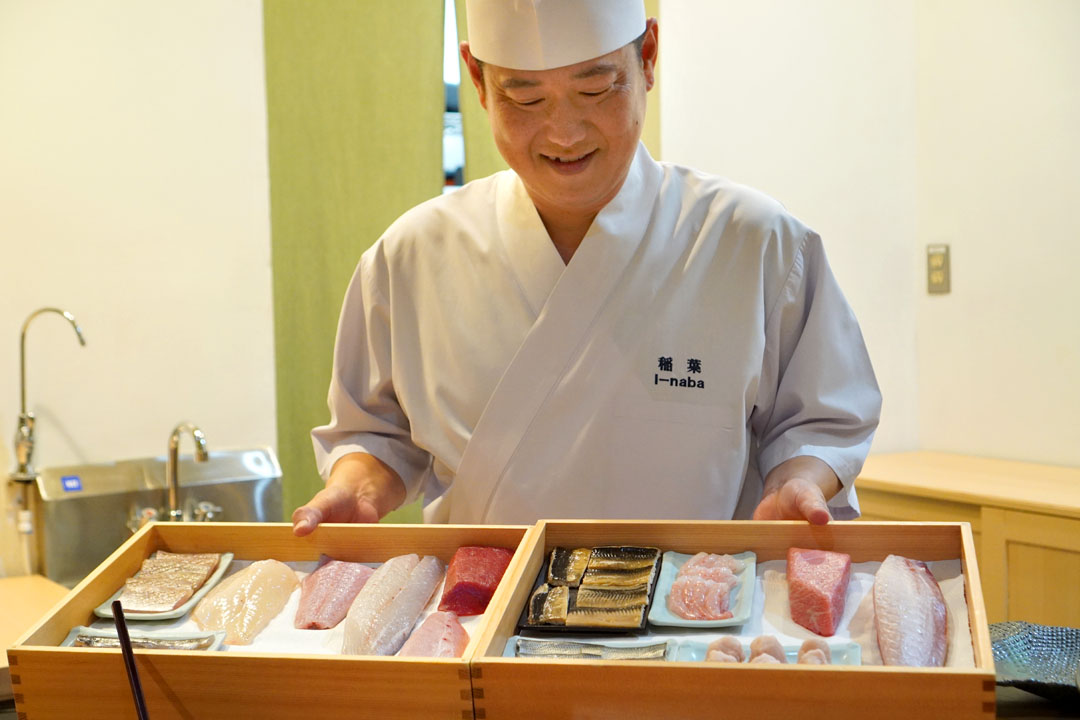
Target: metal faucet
24, 434
176, 513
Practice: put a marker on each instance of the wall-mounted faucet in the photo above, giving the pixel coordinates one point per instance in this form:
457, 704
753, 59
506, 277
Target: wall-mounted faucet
172, 480
24, 434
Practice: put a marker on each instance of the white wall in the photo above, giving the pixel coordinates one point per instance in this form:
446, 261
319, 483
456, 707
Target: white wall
814, 103
999, 179
134, 193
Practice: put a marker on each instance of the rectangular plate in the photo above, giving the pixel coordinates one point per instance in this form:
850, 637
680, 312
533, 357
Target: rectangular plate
541, 578
843, 653
218, 636
740, 608
672, 645
104, 610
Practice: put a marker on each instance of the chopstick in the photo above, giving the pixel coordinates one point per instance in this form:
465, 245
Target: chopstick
129, 660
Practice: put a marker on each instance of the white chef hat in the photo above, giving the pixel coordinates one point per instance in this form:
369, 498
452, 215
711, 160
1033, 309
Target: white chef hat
545, 34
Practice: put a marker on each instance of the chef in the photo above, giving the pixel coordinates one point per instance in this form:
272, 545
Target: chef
591, 333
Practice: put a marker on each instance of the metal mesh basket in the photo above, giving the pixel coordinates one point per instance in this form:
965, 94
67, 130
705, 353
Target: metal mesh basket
1039, 659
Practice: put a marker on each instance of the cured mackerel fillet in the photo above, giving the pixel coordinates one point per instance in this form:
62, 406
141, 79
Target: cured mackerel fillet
396, 620
380, 590
440, 635
567, 566
327, 593
245, 603
166, 581
817, 588
910, 614
472, 577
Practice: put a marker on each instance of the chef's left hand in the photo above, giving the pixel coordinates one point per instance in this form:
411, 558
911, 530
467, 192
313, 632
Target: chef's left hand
798, 489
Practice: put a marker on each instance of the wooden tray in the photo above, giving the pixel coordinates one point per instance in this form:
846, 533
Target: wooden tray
59, 683
522, 688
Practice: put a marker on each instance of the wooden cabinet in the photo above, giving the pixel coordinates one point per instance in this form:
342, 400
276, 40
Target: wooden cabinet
1025, 519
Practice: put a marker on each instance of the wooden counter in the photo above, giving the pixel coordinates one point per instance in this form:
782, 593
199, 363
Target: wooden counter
1025, 519
23, 601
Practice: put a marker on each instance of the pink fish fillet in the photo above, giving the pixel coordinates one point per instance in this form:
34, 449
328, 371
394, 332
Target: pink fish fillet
910, 614
440, 635
327, 593
817, 588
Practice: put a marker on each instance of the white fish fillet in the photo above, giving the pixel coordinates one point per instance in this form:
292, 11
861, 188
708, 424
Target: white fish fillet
381, 588
910, 614
245, 603
396, 620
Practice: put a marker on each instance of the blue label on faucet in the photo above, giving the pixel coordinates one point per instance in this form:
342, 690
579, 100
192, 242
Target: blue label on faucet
71, 483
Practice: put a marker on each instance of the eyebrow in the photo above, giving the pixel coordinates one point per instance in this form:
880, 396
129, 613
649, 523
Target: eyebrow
514, 83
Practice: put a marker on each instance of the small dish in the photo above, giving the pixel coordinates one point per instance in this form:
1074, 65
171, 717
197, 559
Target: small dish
215, 638
843, 653
741, 601
104, 610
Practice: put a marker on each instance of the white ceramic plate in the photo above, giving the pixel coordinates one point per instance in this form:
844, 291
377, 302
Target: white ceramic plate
218, 637
843, 652
740, 602
104, 610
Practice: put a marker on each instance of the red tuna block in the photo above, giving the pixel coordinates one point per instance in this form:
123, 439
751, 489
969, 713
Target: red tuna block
817, 584
472, 577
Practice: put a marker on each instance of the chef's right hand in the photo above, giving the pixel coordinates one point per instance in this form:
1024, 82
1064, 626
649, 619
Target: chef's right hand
361, 489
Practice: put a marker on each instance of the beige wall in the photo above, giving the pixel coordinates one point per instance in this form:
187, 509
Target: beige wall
999, 180
891, 124
133, 192
814, 103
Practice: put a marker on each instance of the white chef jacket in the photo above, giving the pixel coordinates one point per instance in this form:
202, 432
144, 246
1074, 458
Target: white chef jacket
696, 340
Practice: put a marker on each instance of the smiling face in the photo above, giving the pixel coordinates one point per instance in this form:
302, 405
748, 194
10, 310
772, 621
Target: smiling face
570, 133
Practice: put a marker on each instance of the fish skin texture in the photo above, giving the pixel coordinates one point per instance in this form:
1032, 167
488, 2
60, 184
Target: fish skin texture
245, 603
440, 635
472, 577
328, 592
910, 614
379, 591
817, 588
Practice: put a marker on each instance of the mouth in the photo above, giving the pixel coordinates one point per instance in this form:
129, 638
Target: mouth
569, 164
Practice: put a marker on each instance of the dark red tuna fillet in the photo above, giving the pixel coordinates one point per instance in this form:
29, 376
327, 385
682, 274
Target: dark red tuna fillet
472, 577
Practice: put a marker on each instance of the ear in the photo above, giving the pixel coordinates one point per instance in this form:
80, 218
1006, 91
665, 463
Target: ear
649, 49
475, 73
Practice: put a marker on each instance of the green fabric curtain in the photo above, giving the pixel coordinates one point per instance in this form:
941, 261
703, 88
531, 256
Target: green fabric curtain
355, 103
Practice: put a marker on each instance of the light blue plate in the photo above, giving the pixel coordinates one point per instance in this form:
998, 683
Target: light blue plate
741, 601
218, 637
843, 653
104, 610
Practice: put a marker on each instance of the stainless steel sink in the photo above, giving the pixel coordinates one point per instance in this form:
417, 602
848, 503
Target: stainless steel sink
84, 512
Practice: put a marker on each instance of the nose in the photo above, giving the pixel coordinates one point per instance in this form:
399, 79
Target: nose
566, 124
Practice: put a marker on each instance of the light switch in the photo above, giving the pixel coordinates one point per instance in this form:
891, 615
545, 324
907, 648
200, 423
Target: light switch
937, 269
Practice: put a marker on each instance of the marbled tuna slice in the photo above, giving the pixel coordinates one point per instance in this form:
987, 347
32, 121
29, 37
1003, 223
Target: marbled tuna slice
327, 593
910, 614
817, 587
440, 635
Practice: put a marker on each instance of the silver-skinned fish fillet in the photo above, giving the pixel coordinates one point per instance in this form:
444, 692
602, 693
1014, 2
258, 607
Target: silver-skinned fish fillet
910, 614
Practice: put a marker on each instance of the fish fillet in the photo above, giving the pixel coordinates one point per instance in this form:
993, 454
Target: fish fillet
327, 593
380, 590
245, 603
440, 635
910, 614
472, 577
396, 619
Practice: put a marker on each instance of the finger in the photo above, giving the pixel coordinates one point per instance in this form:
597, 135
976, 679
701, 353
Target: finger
812, 506
767, 509
305, 519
